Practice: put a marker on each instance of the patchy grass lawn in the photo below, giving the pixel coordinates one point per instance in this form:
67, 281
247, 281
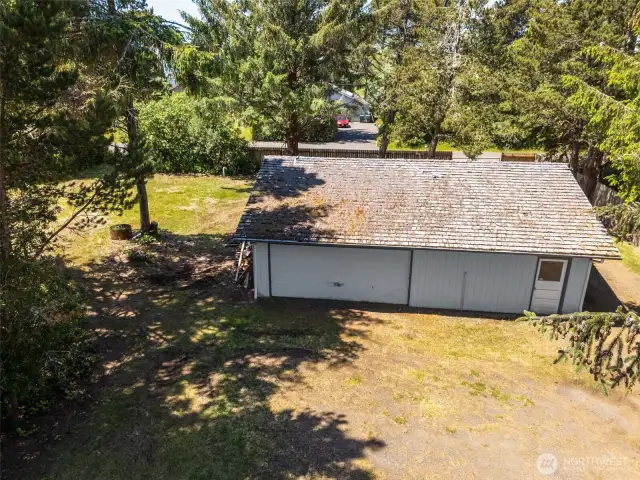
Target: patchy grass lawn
630, 256
196, 381
185, 205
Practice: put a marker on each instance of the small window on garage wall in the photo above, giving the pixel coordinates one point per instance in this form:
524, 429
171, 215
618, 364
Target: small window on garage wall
550, 271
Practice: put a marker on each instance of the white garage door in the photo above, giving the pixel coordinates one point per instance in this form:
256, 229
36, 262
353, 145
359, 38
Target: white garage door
484, 282
360, 274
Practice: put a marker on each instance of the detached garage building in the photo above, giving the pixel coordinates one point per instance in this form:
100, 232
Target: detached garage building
479, 236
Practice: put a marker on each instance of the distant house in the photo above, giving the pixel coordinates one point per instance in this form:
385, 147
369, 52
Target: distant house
480, 236
354, 104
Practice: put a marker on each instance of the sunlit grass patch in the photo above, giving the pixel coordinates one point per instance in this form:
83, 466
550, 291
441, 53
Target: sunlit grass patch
183, 205
353, 381
630, 256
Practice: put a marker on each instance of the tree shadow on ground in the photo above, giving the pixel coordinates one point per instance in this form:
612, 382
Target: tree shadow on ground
599, 296
187, 365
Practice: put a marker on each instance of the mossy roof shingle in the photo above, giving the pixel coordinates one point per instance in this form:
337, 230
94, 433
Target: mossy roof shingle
535, 208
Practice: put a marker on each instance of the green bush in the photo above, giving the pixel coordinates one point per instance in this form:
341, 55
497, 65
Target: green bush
43, 346
318, 125
321, 130
184, 134
318, 130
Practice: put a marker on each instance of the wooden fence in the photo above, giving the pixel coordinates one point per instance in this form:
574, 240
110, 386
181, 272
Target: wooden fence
602, 195
519, 157
259, 153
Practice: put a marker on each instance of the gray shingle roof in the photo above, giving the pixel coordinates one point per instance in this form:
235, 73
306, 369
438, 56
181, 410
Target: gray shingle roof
533, 208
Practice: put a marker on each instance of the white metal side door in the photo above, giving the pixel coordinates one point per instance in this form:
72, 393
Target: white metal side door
547, 289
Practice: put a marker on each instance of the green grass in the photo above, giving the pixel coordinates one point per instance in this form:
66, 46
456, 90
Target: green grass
442, 146
187, 205
630, 256
445, 146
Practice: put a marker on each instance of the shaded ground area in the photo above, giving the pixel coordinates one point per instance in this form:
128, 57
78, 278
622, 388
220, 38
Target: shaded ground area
195, 380
612, 284
186, 365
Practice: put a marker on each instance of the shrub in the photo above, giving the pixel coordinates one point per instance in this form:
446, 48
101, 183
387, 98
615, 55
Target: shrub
321, 127
43, 346
184, 134
321, 130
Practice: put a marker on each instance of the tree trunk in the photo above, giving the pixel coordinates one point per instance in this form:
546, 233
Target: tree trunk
143, 200
132, 150
384, 144
574, 159
632, 37
5, 244
592, 171
385, 140
433, 145
293, 135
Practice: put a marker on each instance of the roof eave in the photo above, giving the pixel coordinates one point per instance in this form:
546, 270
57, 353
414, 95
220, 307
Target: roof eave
597, 257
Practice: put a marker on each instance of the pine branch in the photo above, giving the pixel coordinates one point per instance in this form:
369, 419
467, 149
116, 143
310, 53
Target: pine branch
611, 356
67, 222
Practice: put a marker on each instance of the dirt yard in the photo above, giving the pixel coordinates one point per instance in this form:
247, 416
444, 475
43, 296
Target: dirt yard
196, 381
193, 380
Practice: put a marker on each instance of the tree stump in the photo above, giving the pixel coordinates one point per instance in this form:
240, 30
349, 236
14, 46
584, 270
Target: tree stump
121, 231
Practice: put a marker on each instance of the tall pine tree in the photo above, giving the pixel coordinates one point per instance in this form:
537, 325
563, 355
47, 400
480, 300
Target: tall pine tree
276, 60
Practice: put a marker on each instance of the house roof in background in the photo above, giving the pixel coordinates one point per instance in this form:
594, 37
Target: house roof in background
350, 95
535, 208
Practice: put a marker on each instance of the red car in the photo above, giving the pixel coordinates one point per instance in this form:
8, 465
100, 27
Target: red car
343, 122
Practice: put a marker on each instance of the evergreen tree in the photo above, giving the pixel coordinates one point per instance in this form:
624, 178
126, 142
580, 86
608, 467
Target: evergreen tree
133, 47
393, 33
611, 355
428, 79
52, 123
544, 52
275, 59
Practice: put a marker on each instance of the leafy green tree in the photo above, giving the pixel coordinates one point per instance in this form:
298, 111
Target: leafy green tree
612, 113
275, 59
185, 134
543, 47
392, 26
427, 85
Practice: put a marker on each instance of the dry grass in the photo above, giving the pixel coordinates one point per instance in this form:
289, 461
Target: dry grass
198, 382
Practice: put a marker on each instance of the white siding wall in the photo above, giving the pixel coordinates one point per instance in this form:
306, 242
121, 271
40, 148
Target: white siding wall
578, 278
360, 274
472, 281
261, 269
493, 282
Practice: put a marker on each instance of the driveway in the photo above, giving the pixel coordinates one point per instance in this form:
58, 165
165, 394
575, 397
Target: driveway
359, 136
363, 136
